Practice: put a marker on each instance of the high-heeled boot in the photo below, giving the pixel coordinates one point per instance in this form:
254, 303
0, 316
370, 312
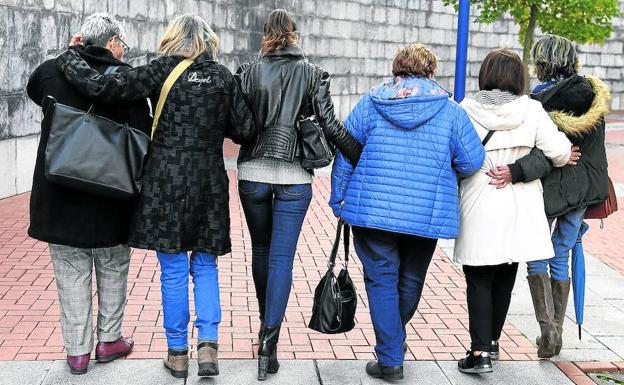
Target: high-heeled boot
267, 352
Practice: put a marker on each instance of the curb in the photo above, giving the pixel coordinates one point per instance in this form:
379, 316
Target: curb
578, 372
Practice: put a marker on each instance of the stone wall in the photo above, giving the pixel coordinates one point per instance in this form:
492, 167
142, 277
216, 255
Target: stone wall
355, 40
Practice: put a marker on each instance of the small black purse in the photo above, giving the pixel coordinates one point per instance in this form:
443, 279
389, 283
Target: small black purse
315, 152
335, 299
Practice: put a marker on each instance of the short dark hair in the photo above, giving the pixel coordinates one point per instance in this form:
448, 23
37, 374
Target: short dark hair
554, 57
502, 69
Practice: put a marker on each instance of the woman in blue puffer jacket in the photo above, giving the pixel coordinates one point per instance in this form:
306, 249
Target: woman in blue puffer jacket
402, 196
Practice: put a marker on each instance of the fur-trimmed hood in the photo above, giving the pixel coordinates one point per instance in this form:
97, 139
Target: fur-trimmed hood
564, 103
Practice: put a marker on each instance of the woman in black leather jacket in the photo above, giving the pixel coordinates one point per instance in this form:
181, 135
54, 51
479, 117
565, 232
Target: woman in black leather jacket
275, 189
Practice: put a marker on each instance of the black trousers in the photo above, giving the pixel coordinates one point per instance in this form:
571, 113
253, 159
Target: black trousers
489, 294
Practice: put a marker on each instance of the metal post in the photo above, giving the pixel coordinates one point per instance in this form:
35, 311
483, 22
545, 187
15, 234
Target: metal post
461, 55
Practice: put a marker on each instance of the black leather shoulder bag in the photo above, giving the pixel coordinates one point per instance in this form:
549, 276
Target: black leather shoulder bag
335, 299
315, 150
94, 154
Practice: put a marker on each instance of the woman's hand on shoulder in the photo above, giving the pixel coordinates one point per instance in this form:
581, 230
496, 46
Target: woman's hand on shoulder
76, 39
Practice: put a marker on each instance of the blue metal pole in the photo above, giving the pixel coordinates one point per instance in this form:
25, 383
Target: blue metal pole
461, 55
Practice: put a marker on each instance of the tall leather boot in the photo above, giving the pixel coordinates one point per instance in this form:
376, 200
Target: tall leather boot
541, 293
267, 352
561, 292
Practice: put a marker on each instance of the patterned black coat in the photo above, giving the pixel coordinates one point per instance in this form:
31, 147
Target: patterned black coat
184, 204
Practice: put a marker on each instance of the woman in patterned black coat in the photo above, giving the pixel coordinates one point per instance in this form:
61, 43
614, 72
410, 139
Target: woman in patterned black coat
184, 205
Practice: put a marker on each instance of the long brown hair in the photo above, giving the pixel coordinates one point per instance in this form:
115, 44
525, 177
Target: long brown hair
280, 31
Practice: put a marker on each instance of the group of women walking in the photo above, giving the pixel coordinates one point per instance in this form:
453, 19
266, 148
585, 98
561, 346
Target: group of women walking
402, 153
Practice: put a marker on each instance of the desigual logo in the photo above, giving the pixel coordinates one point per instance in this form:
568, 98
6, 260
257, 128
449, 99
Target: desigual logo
194, 78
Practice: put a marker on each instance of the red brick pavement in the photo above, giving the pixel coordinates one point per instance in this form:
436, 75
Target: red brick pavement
29, 313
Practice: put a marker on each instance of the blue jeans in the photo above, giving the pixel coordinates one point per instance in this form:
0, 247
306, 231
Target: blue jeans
274, 215
569, 229
174, 281
395, 266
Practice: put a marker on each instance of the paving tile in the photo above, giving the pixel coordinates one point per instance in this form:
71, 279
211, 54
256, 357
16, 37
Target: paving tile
352, 373
509, 373
23, 373
242, 372
120, 372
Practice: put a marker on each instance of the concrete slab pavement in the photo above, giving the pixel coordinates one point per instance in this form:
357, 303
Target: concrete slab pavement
292, 372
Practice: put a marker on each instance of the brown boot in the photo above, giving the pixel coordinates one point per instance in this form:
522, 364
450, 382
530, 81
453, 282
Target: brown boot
541, 293
561, 291
207, 359
177, 362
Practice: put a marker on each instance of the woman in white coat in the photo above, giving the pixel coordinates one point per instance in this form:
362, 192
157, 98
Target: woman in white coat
501, 227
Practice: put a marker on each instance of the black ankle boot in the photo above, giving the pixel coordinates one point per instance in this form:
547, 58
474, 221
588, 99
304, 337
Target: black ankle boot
267, 352
390, 373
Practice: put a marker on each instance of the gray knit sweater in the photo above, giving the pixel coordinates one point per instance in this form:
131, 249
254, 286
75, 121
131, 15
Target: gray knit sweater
273, 171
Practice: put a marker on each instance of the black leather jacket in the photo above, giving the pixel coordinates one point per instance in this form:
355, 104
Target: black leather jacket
283, 86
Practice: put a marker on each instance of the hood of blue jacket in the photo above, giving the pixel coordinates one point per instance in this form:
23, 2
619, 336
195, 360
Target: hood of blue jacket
408, 102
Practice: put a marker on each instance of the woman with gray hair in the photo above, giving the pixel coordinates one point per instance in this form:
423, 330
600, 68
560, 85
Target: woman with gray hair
577, 105
184, 204
86, 231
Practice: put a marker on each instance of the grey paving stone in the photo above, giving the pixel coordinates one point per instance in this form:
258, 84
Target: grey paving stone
607, 287
352, 373
616, 344
528, 326
120, 372
23, 372
618, 303
244, 372
604, 321
509, 373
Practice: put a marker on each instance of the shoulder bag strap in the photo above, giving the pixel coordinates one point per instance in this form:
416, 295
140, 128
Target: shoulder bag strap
347, 232
487, 138
334, 252
171, 79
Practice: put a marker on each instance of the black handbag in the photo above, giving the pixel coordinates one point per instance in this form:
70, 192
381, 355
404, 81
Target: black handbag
94, 154
314, 149
315, 152
335, 299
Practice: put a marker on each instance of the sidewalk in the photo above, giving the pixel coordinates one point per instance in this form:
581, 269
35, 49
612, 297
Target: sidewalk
30, 335
299, 372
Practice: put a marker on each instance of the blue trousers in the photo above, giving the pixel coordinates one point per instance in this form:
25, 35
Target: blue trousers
274, 215
395, 266
174, 281
568, 230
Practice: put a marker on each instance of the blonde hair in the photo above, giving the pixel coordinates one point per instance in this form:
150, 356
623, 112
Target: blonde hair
280, 31
554, 58
415, 59
188, 36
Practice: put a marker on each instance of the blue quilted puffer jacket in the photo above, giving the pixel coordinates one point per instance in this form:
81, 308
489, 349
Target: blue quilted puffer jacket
416, 141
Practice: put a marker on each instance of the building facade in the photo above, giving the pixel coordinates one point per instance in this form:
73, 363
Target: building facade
354, 40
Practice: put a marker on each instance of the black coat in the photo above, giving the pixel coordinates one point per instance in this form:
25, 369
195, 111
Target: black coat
184, 204
62, 215
283, 86
577, 106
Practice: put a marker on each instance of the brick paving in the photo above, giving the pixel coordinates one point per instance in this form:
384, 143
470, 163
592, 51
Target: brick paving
29, 312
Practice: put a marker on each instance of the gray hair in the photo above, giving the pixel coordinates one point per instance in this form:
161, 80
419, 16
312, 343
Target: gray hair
553, 58
99, 28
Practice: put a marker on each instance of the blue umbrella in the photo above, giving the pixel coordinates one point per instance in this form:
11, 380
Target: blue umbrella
578, 276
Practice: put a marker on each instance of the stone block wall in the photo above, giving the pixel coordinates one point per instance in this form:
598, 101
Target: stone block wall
355, 40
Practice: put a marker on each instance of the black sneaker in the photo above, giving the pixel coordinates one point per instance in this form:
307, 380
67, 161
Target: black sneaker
494, 350
475, 364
